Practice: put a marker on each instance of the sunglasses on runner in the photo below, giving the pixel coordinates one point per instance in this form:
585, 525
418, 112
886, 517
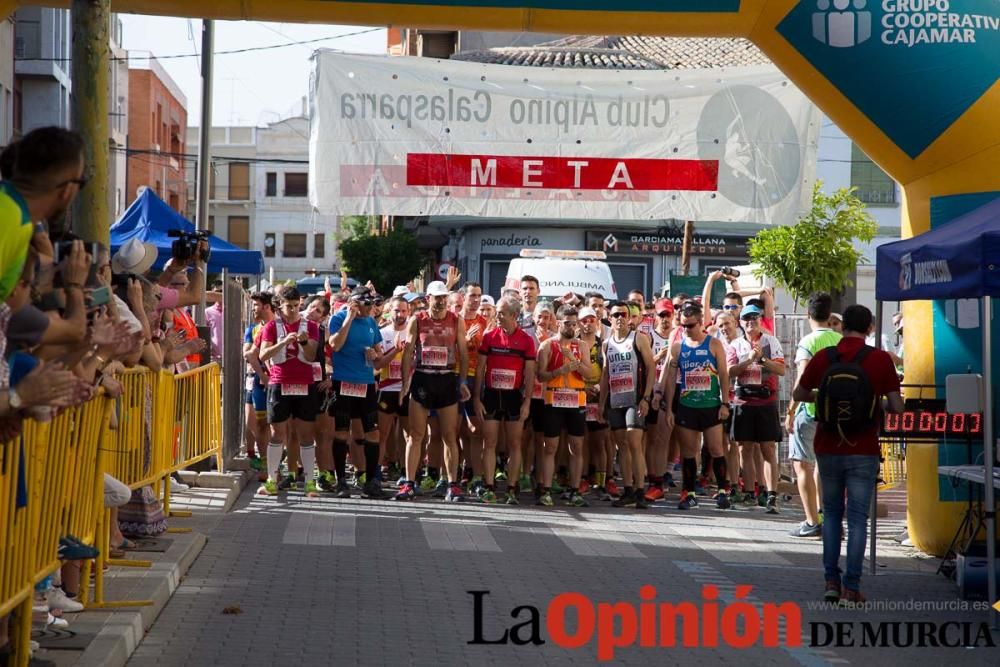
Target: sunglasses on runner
731, 306
617, 315
690, 325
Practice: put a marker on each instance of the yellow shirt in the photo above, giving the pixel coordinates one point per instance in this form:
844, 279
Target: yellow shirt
15, 237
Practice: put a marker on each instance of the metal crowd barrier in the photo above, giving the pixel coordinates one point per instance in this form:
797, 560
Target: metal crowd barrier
52, 478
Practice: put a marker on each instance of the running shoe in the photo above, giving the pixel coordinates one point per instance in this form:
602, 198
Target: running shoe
512, 499
625, 501
577, 500
612, 488
373, 491
722, 500
394, 471
287, 482
311, 490
475, 484
701, 486
500, 476
488, 496
524, 482
584, 486
427, 483
806, 529
668, 479
832, 592
640, 500
327, 481
688, 501
749, 499
762, 500
268, 488
736, 496
256, 464
546, 499
343, 491
654, 493
406, 492
556, 487
361, 480
441, 490
454, 494
602, 493
565, 495
772, 503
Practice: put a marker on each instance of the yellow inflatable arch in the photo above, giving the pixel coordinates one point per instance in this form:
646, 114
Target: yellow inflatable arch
913, 82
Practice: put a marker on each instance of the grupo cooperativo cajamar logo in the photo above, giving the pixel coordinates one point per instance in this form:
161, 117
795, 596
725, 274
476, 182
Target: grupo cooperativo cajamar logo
575, 621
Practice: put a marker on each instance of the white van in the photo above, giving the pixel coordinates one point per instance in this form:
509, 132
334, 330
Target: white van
562, 271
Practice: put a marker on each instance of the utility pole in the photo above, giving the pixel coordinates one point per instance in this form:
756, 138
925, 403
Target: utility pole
91, 59
205, 141
686, 249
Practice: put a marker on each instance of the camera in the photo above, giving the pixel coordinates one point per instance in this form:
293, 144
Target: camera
185, 248
62, 249
730, 271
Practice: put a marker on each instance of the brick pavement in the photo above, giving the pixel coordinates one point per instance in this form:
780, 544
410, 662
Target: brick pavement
347, 582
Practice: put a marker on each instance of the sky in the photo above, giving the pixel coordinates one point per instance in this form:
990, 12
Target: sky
251, 88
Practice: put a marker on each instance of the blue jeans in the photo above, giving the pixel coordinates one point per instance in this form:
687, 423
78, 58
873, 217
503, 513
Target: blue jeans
854, 474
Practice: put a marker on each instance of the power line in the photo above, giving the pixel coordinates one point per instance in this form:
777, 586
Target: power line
219, 53
193, 156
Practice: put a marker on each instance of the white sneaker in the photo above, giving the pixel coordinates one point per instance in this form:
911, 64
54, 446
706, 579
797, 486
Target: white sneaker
176, 486
57, 599
54, 622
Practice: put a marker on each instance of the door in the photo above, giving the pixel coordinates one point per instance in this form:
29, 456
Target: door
494, 275
630, 275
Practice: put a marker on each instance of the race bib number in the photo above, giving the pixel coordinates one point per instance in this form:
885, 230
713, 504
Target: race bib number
317, 371
436, 357
502, 378
699, 381
353, 390
752, 375
294, 390
249, 384
593, 410
395, 370
538, 391
620, 379
565, 398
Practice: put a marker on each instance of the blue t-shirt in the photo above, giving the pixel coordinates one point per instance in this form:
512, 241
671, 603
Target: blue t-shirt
349, 364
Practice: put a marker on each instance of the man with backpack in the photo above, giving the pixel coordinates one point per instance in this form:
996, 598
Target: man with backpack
847, 383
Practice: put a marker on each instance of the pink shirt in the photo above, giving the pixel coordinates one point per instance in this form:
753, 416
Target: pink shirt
213, 317
293, 370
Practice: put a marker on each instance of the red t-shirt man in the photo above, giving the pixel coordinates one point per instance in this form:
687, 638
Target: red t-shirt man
505, 355
881, 373
292, 370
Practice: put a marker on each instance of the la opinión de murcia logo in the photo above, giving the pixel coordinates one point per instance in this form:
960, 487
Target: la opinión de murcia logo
842, 23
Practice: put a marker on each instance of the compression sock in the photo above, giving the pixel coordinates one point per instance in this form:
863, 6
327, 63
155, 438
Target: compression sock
274, 450
340, 459
600, 478
371, 461
719, 467
307, 454
689, 469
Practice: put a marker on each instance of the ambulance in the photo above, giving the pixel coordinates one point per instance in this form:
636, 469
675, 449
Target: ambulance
562, 271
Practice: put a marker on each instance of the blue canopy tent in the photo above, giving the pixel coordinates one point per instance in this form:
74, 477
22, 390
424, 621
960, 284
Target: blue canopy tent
149, 219
958, 260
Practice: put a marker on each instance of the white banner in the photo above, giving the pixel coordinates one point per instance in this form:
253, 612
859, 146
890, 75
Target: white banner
419, 136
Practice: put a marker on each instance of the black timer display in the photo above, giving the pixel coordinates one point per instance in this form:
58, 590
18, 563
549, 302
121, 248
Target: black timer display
927, 418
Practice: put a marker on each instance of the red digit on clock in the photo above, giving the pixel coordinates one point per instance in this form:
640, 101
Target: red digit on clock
940, 422
958, 422
975, 422
908, 420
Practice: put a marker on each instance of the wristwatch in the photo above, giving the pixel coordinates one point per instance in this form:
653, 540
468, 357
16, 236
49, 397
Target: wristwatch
14, 400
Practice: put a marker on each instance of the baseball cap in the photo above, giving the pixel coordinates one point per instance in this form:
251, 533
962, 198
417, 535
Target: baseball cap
134, 256
437, 288
587, 312
26, 327
400, 290
837, 316
412, 296
750, 310
664, 305
487, 300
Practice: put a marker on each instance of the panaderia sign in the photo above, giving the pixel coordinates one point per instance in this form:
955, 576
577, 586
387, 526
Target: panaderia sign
416, 136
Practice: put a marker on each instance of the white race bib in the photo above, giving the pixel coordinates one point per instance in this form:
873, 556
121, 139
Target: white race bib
294, 390
699, 381
317, 371
752, 375
435, 357
620, 378
565, 398
502, 378
395, 370
249, 384
353, 390
593, 410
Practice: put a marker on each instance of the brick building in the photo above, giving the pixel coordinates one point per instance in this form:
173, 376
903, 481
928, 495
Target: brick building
157, 126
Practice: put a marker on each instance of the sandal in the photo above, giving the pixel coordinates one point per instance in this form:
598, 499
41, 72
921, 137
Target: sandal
117, 553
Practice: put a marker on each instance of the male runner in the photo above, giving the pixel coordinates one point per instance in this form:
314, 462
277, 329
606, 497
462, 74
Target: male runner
256, 430
657, 433
529, 299
437, 339
471, 431
703, 403
502, 393
564, 366
390, 367
627, 382
599, 447
289, 342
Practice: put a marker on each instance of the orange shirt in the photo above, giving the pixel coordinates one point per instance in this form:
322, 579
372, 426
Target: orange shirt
475, 342
183, 322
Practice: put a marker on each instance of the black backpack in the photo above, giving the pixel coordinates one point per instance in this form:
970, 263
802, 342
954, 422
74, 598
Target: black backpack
846, 403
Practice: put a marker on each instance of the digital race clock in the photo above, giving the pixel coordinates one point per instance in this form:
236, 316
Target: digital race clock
927, 418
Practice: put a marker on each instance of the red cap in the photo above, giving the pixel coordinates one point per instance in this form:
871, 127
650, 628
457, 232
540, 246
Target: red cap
665, 305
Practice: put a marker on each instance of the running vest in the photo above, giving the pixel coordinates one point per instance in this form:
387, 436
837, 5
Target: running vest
565, 391
659, 342
281, 356
435, 343
699, 385
538, 392
391, 376
623, 372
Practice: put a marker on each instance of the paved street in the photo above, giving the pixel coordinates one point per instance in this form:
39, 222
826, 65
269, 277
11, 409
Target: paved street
342, 582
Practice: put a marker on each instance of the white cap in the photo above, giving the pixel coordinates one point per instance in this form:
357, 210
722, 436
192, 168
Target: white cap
400, 290
134, 257
437, 288
837, 316
487, 300
586, 312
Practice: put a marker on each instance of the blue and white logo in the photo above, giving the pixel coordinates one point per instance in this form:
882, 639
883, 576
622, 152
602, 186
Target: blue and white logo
842, 23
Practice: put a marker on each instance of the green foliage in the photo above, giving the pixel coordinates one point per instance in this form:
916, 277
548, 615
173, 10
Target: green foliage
355, 226
817, 253
388, 260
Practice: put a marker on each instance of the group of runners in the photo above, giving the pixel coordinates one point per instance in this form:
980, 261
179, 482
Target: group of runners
457, 396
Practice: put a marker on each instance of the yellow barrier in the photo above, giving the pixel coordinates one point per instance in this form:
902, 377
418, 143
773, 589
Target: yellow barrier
893, 461
165, 423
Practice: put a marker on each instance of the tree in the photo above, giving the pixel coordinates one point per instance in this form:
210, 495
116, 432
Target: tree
386, 260
817, 254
